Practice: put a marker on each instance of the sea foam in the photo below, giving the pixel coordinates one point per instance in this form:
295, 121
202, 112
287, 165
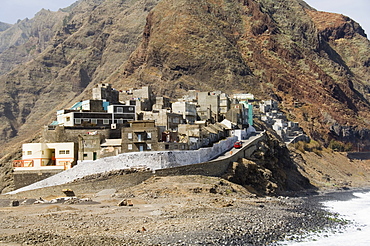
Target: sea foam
356, 210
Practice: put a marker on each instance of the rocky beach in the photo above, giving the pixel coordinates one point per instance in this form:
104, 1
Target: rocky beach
179, 210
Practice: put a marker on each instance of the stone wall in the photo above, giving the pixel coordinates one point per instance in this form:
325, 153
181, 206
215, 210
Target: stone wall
25, 178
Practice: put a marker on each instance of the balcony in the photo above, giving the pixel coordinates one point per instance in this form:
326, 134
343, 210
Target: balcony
23, 163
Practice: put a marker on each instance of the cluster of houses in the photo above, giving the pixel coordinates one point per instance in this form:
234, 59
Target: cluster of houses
289, 131
115, 122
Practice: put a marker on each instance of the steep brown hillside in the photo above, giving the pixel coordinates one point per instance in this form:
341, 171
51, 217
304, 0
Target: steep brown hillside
283, 49
26, 39
94, 39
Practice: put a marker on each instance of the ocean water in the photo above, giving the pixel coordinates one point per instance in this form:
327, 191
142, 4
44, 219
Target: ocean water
357, 233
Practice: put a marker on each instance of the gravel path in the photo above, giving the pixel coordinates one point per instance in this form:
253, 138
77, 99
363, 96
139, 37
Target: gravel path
166, 211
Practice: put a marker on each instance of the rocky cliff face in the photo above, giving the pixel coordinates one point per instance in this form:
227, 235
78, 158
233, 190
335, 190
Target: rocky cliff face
26, 39
316, 64
283, 49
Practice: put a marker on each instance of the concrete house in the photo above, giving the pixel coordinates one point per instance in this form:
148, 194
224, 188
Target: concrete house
187, 110
105, 92
224, 103
111, 147
237, 114
164, 119
162, 103
209, 102
46, 156
115, 114
196, 135
89, 146
142, 135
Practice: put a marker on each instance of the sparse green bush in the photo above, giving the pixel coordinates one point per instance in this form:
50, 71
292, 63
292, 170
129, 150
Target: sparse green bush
312, 146
339, 146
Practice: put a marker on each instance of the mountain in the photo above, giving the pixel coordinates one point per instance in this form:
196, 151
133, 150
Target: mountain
316, 64
25, 40
284, 49
4, 26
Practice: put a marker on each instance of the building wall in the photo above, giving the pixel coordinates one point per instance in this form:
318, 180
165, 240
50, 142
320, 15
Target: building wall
140, 136
24, 178
187, 110
48, 155
89, 147
96, 119
93, 105
205, 100
63, 134
105, 92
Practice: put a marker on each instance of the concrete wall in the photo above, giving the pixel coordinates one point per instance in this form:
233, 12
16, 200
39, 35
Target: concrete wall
61, 134
25, 178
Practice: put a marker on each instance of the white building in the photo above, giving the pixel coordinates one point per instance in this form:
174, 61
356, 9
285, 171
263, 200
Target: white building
46, 156
244, 97
188, 111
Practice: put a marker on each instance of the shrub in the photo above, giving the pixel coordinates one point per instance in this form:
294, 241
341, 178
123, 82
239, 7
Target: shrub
312, 146
339, 146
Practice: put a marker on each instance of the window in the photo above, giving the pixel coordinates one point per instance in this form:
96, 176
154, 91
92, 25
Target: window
29, 152
149, 135
68, 119
131, 108
85, 155
64, 152
42, 152
167, 146
149, 146
94, 121
119, 110
77, 121
129, 146
119, 121
105, 121
129, 135
86, 120
176, 120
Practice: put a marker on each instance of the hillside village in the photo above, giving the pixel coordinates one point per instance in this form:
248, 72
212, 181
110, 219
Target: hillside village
136, 120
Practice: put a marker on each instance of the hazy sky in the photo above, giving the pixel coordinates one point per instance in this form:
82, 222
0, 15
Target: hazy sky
12, 10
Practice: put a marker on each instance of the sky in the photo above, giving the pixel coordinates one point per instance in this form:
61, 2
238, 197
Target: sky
13, 10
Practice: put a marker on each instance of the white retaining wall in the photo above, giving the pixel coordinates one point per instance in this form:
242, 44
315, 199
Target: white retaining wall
153, 160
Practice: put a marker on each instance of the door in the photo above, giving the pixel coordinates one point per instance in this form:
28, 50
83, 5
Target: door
94, 156
141, 148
